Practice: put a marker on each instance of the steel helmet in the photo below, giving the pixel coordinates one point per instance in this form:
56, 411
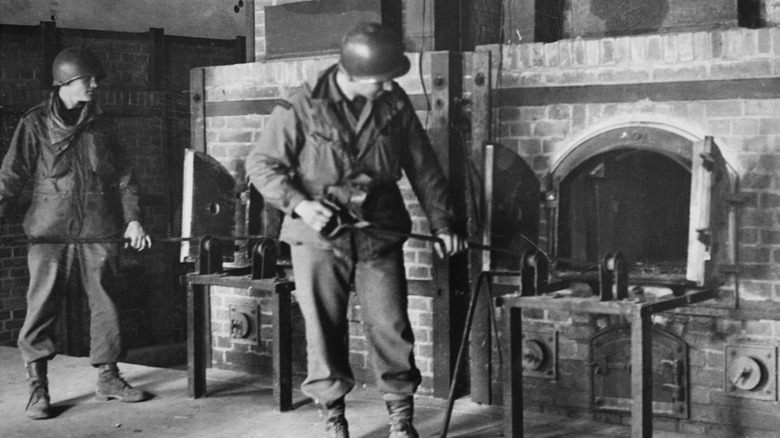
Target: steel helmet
73, 63
371, 53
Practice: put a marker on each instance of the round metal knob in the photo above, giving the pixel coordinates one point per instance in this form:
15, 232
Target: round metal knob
240, 325
745, 373
533, 355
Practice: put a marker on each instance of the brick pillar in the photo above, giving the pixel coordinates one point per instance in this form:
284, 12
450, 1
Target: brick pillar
51, 46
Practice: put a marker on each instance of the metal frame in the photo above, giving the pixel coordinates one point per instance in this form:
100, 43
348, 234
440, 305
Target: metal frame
199, 332
639, 314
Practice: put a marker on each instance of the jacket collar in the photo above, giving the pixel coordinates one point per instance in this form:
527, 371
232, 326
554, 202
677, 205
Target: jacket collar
59, 131
323, 88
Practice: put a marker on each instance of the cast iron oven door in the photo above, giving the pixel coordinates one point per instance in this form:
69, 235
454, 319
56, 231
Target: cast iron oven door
610, 353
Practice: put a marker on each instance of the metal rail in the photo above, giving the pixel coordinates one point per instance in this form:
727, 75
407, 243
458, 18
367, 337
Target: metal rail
23, 239
426, 237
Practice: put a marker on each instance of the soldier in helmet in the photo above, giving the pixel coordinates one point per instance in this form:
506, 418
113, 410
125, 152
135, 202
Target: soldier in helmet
82, 187
335, 153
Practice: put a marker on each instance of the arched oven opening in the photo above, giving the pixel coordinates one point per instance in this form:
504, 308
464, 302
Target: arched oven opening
630, 200
655, 196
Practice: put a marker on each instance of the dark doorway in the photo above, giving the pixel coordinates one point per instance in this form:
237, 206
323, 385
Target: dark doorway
629, 200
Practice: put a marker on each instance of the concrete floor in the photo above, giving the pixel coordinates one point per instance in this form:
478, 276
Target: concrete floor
237, 406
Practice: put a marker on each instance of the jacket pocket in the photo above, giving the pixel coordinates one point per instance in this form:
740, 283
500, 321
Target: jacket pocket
99, 154
50, 214
385, 155
323, 160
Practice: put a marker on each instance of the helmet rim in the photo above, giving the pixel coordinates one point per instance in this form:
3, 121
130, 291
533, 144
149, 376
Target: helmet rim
74, 63
401, 70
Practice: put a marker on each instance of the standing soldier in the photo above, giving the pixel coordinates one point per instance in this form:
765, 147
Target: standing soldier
82, 187
337, 149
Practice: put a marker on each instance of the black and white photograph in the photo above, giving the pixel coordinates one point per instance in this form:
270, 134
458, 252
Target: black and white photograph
389, 218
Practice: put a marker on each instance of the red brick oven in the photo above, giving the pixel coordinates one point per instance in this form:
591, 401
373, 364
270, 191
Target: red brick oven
662, 144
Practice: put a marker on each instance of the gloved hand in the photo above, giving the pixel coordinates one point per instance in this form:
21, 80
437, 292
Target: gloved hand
338, 221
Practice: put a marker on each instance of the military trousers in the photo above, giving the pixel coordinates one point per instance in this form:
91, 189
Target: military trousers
60, 269
323, 282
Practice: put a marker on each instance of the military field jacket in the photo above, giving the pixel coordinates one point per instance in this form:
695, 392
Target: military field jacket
82, 183
308, 151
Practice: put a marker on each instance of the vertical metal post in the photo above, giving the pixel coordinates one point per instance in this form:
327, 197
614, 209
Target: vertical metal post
641, 374
282, 345
198, 338
513, 372
481, 154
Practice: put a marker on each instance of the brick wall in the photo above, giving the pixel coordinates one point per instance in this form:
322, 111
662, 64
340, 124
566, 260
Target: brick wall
125, 56
745, 130
229, 139
748, 134
153, 122
480, 24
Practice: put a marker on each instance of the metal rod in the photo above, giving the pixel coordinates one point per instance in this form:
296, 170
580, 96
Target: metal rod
471, 245
23, 239
463, 342
487, 226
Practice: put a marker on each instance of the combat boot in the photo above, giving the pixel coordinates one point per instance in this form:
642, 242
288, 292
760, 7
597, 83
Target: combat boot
401, 417
111, 385
39, 405
336, 425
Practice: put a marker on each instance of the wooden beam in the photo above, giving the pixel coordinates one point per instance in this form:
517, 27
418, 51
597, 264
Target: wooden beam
481, 352
450, 275
239, 54
249, 10
753, 88
443, 351
241, 107
198, 109
265, 106
157, 59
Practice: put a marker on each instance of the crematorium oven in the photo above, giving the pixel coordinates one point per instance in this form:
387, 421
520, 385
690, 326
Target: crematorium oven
639, 220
